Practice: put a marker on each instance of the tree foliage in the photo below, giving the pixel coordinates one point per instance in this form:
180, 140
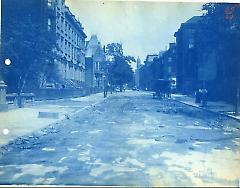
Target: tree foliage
114, 49
221, 31
31, 50
119, 71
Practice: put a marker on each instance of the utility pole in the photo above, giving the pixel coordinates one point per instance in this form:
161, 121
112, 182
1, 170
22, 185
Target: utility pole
104, 86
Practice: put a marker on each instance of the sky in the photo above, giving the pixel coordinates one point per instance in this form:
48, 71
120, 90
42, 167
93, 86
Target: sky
142, 27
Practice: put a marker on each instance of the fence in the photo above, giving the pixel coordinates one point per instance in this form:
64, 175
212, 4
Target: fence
55, 93
21, 100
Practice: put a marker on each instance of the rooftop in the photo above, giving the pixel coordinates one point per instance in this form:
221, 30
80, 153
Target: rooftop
150, 58
194, 19
93, 47
73, 19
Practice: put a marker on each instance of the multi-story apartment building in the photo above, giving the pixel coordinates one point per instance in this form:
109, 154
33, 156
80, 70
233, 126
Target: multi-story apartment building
198, 62
49, 27
169, 62
187, 55
70, 39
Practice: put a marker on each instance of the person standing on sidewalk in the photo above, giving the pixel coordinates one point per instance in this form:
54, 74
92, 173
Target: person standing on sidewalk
204, 97
198, 96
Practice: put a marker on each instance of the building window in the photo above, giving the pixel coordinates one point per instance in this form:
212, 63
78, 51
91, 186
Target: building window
69, 49
97, 66
58, 37
49, 3
169, 69
49, 24
77, 40
65, 46
192, 31
58, 15
72, 52
66, 25
191, 43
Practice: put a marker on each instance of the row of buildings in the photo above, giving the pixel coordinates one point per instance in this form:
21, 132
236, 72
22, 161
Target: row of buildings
193, 65
157, 66
42, 23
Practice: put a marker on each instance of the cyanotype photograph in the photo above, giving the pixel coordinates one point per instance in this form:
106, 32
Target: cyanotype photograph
119, 93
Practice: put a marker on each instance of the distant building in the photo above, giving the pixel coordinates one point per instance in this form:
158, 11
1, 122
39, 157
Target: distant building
143, 79
137, 76
150, 58
24, 22
95, 63
169, 62
156, 67
150, 71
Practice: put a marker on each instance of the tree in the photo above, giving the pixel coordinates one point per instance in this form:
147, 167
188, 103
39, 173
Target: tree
31, 48
114, 49
119, 71
219, 32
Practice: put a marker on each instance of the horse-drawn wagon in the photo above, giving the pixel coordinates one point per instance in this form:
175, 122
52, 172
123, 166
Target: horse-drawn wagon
161, 88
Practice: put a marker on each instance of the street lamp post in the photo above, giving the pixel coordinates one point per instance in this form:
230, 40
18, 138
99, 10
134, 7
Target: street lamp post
3, 86
104, 86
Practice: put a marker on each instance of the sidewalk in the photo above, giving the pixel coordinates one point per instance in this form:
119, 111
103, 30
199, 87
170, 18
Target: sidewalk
21, 121
219, 107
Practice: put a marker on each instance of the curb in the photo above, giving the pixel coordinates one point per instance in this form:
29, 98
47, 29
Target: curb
204, 109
